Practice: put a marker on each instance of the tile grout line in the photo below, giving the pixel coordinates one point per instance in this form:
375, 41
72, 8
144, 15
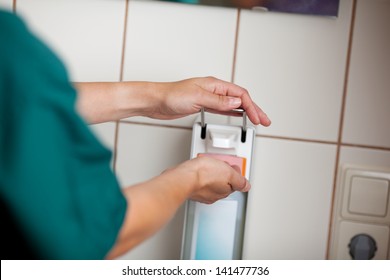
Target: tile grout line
155, 124
341, 125
314, 141
235, 45
124, 42
365, 146
324, 142
116, 135
296, 139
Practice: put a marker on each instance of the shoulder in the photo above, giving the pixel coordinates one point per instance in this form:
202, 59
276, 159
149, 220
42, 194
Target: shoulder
12, 26
24, 57
18, 40
8, 17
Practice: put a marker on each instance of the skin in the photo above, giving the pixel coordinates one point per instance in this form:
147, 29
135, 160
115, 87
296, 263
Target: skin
202, 179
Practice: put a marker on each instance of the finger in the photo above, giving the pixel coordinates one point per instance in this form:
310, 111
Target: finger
264, 119
237, 181
222, 88
218, 102
223, 103
230, 89
237, 168
250, 108
254, 112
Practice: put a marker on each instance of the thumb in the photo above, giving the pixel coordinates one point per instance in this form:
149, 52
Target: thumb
237, 168
218, 102
239, 182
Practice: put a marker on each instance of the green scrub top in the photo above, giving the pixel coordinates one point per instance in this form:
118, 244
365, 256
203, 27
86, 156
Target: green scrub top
55, 176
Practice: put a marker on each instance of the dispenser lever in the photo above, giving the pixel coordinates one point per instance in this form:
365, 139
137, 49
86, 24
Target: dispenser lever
238, 110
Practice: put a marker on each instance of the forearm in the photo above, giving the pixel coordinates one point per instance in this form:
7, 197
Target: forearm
110, 101
150, 206
153, 203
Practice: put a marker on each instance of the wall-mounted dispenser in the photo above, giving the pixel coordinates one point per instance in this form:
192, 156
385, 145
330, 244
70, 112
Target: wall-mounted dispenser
215, 232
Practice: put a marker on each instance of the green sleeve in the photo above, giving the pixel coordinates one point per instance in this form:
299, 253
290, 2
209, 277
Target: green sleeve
55, 176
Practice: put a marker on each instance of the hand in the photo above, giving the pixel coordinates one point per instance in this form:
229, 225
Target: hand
153, 203
214, 179
182, 98
109, 101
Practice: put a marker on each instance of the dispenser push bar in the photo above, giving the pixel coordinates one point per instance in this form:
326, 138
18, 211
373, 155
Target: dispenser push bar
234, 111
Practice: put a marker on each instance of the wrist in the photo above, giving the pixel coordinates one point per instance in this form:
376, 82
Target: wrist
137, 98
185, 177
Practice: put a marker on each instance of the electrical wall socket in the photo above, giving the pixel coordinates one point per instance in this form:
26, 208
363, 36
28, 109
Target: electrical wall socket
361, 206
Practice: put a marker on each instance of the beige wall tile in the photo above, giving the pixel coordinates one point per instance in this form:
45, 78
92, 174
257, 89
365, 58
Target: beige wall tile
165, 245
86, 34
367, 112
6, 4
144, 152
171, 41
289, 204
363, 156
294, 67
106, 133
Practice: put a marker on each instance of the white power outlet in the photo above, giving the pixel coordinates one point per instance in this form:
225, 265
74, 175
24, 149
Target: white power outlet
361, 206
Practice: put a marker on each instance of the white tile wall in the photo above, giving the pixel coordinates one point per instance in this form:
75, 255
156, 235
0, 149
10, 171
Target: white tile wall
294, 67
289, 204
364, 157
106, 133
6, 4
144, 152
87, 34
367, 112
171, 41
165, 245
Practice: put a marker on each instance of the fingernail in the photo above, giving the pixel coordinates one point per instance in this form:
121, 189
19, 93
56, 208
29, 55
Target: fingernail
247, 187
233, 101
269, 120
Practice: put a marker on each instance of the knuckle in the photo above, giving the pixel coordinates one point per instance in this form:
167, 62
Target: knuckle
210, 78
245, 91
